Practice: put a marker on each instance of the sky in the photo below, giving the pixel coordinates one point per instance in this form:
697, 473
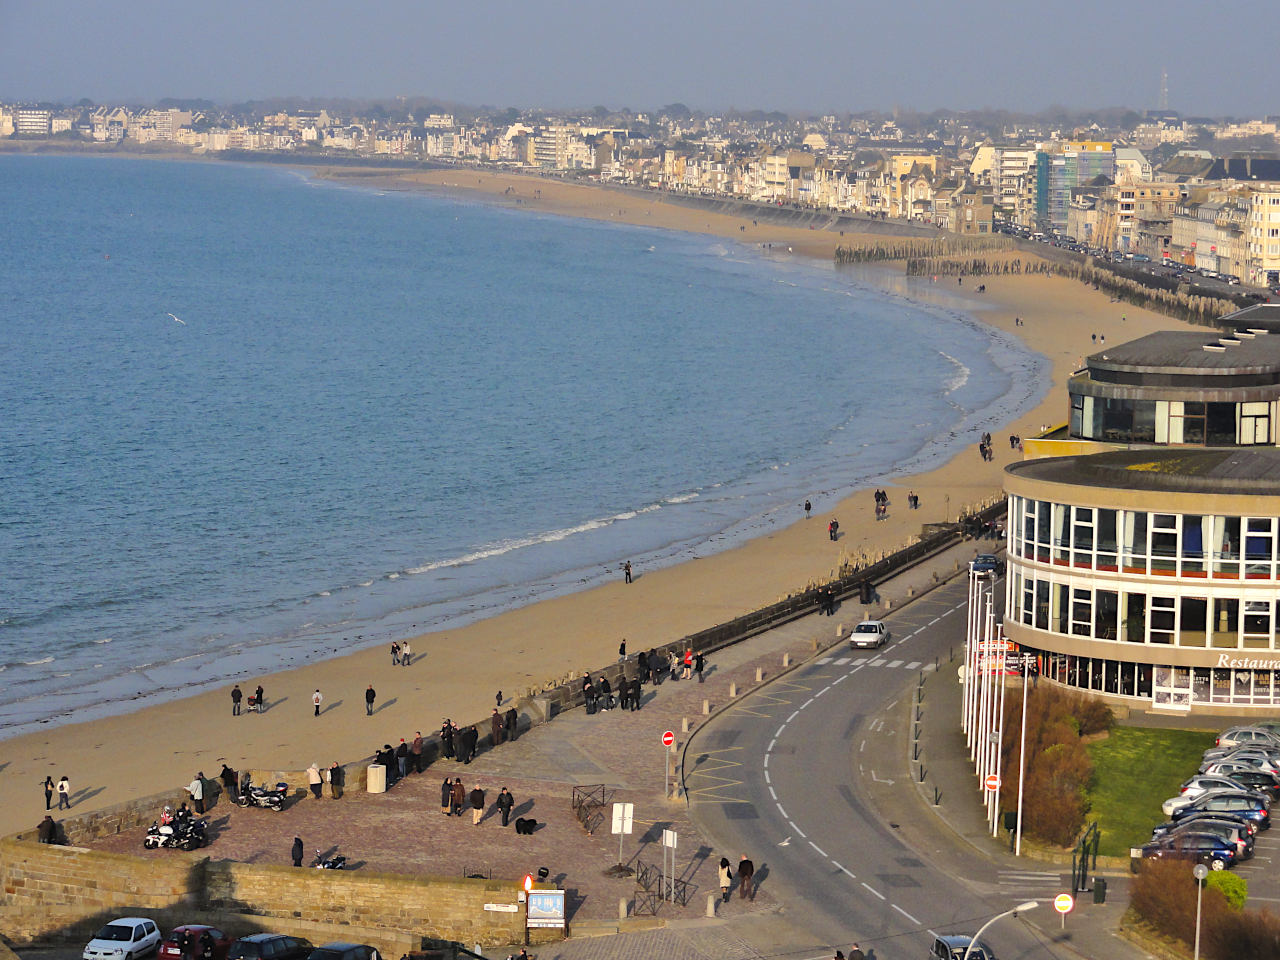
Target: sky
797, 56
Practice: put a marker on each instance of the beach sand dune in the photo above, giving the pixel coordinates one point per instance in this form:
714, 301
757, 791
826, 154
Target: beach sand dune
457, 673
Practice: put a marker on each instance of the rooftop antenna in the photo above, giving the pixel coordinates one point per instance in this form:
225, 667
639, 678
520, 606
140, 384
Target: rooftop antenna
1164, 90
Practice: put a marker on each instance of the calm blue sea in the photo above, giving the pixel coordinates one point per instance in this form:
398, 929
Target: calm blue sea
382, 413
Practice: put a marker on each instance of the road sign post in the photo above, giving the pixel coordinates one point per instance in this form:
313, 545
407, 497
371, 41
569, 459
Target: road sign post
623, 815
668, 741
668, 874
1063, 903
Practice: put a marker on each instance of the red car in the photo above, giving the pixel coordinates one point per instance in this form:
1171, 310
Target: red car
170, 948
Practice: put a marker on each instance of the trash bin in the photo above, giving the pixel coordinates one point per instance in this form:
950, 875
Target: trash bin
865, 591
376, 777
1099, 889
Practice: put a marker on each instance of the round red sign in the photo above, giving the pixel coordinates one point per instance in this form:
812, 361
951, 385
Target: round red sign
668, 738
992, 782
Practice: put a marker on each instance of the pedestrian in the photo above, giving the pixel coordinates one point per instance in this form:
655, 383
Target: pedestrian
406, 654
477, 805
831, 530
622, 651
808, 508
316, 699
673, 665
624, 693
48, 793
47, 831
236, 697
296, 851
588, 694
642, 666
446, 796
626, 571
746, 871
446, 739
230, 783
726, 879
415, 753
196, 789
839, 955
469, 740
337, 779
495, 727
511, 722
395, 654
687, 673
635, 693
855, 953
457, 797
606, 693
370, 695
505, 803
497, 700
314, 780
260, 697
402, 758
699, 661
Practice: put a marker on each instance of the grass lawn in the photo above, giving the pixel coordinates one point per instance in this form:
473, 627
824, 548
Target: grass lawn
1137, 770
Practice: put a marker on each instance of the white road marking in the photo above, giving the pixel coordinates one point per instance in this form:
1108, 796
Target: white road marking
782, 811
876, 892
824, 661
842, 661
863, 746
877, 662
894, 664
773, 794
766, 775
915, 665
793, 716
769, 748
860, 661
905, 914
821, 852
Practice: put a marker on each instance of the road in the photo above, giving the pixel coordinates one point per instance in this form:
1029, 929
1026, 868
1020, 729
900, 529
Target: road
788, 774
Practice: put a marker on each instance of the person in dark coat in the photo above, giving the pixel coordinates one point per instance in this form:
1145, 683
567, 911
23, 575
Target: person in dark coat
746, 873
446, 796
47, 831
655, 667
606, 692
370, 695
415, 753
337, 780
699, 661
624, 693
477, 806
505, 803
236, 697
588, 694
297, 851
495, 727
446, 739
261, 698
635, 693
470, 737
457, 798
642, 666
512, 723
187, 943
205, 945
402, 758
48, 793
855, 953
230, 783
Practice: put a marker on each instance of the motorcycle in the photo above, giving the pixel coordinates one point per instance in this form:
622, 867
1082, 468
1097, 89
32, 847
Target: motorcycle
336, 862
271, 799
181, 834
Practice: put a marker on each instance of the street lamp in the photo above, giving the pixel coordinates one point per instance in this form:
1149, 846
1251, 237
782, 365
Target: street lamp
1200, 871
1020, 908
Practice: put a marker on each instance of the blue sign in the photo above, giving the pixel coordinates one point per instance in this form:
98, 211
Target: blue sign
546, 908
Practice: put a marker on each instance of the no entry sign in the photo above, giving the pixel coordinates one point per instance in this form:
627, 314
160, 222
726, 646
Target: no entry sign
992, 781
668, 738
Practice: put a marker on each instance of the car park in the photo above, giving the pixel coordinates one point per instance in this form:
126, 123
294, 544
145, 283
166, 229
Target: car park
1227, 768
1200, 847
1260, 781
1188, 820
1239, 736
124, 939
953, 947
171, 946
1239, 805
1198, 786
345, 951
1232, 831
270, 946
869, 633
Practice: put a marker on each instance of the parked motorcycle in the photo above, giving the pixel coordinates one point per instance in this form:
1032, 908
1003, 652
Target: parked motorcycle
271, 799
181, 834
336, 862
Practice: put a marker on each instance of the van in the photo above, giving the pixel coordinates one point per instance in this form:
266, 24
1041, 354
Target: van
953, 946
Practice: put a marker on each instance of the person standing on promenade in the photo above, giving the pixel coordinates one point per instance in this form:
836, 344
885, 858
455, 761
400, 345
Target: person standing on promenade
635, 693
477, 806
337, 780
687, 673
446, 739
642, 666
415, 753
314, 780
296, 852
236, 697
370, 695
606, 693
626, 571
746, 871
230, 783
47, 831
446, 796
473, 738
622, 651
261, 698
505, 802
316, 699
624, 692
395, 653
48, 793
457, 798
406, 654
855, 953
726, 879
511, 723
495, 727
196, 789
402, 758
699, 661
588, 694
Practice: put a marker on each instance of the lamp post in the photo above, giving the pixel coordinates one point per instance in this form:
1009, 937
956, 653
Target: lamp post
1020, 908
1022, 759
1200, 871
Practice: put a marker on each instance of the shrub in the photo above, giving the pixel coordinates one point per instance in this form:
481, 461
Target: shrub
1246, 935
1164, 894
1232, 886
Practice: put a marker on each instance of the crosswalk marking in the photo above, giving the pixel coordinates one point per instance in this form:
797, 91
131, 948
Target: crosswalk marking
878, 662
842, 661
860, 661
824, 661
913, 665
894, 663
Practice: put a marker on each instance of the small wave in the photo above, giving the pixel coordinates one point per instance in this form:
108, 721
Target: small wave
324, 593
681, 498
961, 377
36, 663
103, 640
393, 576
368, 583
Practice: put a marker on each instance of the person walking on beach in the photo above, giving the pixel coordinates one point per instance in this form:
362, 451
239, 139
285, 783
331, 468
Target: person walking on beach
726, 879
746, 872
236, 697
196, 789
395, 654
337, 780
406, 654
808, 508
48, 793
370, 695
296, 852
314, 780
505, 802
316, 699
477, 806
626, 571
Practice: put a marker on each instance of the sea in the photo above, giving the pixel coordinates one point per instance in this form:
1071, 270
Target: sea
251, 417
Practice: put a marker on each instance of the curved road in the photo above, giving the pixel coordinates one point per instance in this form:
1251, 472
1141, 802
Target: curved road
785, 776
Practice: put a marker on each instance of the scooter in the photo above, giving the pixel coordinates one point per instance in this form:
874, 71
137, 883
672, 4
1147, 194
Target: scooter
336, 862
251, 796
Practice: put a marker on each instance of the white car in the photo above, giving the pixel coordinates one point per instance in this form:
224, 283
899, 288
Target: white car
124, 939
869, 633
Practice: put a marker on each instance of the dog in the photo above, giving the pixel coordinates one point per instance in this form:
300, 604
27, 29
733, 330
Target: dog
524, 826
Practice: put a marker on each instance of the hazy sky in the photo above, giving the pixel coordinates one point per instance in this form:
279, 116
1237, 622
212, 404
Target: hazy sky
793, 55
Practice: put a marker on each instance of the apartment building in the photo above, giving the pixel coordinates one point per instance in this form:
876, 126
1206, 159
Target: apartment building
32, 122
1263, 236
1072, 163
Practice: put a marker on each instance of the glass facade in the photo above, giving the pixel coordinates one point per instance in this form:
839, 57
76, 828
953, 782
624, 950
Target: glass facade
1191, 423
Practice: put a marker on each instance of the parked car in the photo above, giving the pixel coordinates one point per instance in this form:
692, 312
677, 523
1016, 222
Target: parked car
1239, 736
869, 633
345, 951
953, 947
1197, 787
986, 563
1233, 831
1253, 757
171, 949
1247, 806
1248, 827
270, 946
1200, 847
1260, 781
124, 939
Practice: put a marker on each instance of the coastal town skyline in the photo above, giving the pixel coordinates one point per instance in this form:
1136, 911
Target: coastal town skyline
986, 55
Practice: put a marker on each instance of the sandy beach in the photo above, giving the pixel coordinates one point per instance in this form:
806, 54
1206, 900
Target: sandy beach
456, 673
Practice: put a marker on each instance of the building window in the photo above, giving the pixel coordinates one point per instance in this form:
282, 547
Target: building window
1255, 423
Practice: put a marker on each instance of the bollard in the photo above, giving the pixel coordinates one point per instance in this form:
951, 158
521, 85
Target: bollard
813, 645
786, 660
922, 773
911, 591
839, 630
888, 604
733, 690
937, 797
759, 674
915, 751
711, 904
622, 908
684, 724
706, 707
